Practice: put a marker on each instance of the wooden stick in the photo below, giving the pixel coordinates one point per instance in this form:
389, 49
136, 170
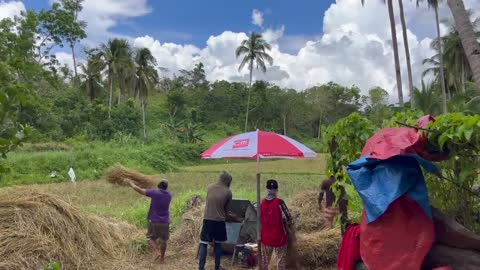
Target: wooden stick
417, 128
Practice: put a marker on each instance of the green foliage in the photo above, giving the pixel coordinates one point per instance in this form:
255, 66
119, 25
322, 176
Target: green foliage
427, 99
12, 133
457, 132
377, 108
460, 134
55, 26
90, 159
406, 117
346, 139
330, 102
53, 266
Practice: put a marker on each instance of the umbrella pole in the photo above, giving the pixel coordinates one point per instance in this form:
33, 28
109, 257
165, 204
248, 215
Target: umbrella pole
258, 212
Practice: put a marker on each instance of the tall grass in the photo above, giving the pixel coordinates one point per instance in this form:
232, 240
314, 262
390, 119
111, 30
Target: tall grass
89, 160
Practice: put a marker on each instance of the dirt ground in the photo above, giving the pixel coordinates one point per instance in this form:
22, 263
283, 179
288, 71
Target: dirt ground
182, 260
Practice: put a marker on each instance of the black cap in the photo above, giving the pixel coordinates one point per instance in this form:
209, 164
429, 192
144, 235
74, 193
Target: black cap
272, 184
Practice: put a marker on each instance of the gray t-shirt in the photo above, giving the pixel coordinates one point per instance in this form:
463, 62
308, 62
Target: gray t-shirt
218, 198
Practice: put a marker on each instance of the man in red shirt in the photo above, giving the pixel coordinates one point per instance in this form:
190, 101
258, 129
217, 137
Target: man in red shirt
275, 217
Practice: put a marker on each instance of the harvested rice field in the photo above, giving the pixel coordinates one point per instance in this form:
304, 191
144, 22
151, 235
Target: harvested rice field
101, 224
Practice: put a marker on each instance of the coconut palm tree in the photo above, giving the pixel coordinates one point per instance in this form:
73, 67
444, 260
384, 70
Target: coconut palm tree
126, 74
454, 61
434, 68
427, 99
434, 4
407, 55
91, 79
146, 76
455, 58
396, 59
114, 55
254, 50
468, 37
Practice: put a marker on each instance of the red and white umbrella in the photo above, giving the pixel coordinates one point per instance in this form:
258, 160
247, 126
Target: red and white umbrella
256, 145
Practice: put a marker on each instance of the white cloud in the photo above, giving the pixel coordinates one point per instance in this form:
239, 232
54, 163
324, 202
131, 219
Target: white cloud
257, 18
103, 15
169, 55
64, 58
272, 35
10, 9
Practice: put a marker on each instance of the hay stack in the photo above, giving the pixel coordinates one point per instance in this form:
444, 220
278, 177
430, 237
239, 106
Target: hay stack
118, 174
319, 249
37, 228
305, 212
189, 232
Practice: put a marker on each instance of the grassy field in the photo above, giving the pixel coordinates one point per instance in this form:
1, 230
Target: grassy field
32, 164
121, 203
101, 198
313, 166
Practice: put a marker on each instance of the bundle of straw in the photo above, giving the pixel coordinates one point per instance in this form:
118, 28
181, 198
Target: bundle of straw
306, 213
292, 261
319, 249
119, 175
189, 232
37, 228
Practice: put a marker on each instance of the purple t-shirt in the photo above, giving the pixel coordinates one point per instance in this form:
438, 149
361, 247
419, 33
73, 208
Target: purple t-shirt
158, 212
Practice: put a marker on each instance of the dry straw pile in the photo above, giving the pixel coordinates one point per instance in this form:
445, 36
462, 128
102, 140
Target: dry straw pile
313, 247
37, 228
318, 250
189, 232
305, 211
119, 175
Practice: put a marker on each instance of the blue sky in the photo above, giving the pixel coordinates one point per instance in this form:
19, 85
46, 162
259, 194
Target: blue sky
193, 21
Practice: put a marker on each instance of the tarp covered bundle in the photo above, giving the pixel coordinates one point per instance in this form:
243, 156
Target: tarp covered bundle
397, 230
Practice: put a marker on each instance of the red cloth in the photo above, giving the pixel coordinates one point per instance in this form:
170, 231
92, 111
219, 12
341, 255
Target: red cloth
425, 120
398, 240
273, 232
390, 142
349, 249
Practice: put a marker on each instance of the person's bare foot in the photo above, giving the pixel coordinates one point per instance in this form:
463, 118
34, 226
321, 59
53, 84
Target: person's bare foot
157, 257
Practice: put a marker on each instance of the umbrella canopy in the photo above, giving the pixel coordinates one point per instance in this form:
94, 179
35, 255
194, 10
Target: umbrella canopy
258, 144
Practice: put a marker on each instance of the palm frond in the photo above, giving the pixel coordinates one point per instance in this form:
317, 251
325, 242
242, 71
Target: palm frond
241, 50
267, 57
255, 49
245, 60
261, 64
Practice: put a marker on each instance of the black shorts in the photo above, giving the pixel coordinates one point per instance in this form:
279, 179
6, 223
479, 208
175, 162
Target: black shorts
158, 231
213, 231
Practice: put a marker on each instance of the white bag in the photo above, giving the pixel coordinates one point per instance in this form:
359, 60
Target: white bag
71, 173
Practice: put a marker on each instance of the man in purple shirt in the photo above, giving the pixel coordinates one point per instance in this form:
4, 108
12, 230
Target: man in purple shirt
158, 217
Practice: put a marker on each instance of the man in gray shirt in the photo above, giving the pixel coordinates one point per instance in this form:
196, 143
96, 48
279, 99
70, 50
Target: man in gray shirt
214, 228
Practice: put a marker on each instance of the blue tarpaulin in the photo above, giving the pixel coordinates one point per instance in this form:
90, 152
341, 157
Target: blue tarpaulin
380, 182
